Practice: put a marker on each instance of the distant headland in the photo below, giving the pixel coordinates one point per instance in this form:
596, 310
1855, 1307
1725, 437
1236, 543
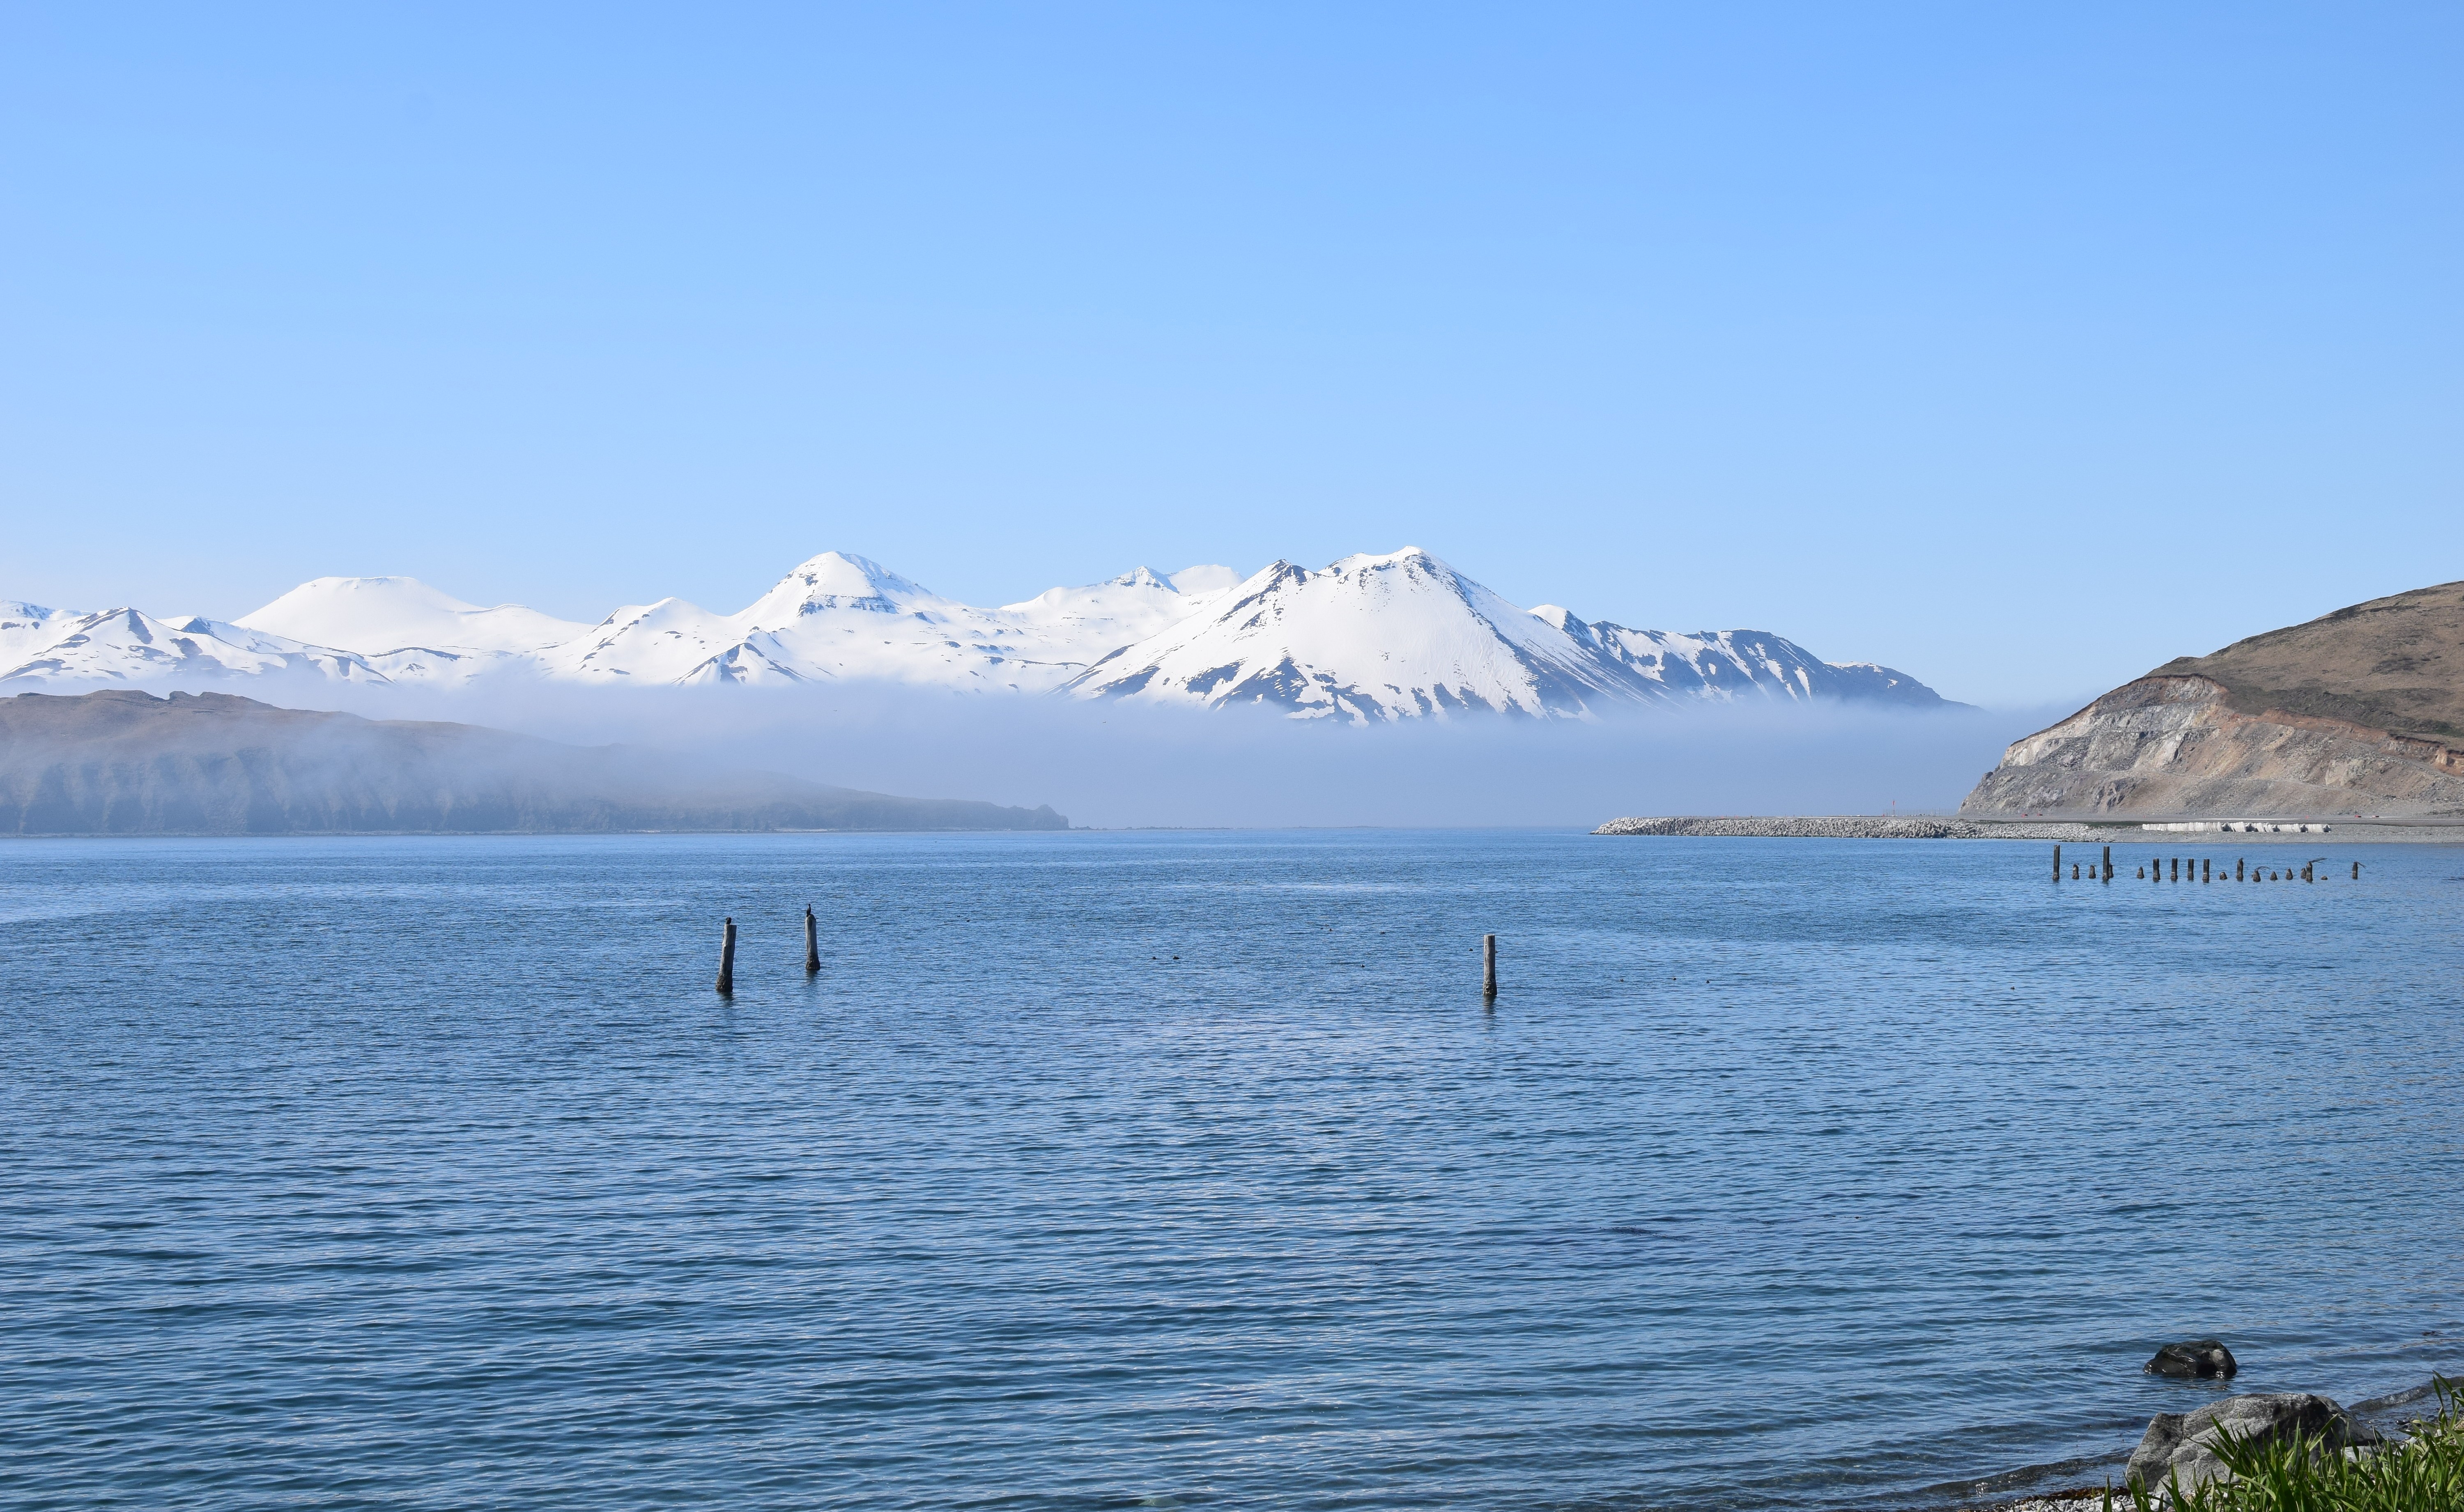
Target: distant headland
125, 762
2358, 714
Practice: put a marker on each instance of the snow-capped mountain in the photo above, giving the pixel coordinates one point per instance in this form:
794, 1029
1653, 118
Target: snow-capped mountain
124, 645
375, 615
845, 616
1371, 638
27, 628
1104, 616
1731, 664
1368, 638
1404, 635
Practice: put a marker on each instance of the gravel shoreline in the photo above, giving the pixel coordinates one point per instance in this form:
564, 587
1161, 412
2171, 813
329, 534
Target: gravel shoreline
2085, 1501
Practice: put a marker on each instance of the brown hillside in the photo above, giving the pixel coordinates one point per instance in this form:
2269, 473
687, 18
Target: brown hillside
2395, 662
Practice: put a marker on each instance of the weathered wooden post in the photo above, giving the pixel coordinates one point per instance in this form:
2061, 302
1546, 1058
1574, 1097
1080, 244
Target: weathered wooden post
2207, 869
2236, 868
812, 942
2305, 871
727, 959
2057, 862
2074, 871
2108, 863
2356, 871
2177, 868
1488, 966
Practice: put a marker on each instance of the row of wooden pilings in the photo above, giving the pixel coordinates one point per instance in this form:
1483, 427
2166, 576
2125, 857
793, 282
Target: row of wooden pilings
2201, 869
727, 949
813, 952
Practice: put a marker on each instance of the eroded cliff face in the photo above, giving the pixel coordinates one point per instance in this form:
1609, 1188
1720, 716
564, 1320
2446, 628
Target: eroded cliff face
2176, 745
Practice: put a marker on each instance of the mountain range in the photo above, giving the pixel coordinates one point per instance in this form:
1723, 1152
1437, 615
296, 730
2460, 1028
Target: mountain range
1367, 639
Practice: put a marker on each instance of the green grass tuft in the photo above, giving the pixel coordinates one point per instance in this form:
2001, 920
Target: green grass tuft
2422, 1473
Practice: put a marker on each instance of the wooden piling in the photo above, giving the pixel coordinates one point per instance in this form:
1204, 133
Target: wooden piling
2305, 871
2356, 871
2108, 863
2057, 862
2236, 868
2074, 871
1488, 966
812, 942
2177, 868
727, 959
2207, 871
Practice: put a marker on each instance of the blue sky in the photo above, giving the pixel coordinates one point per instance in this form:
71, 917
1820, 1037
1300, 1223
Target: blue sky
2019, 347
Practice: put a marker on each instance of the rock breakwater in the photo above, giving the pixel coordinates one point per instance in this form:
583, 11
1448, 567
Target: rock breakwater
1850, 826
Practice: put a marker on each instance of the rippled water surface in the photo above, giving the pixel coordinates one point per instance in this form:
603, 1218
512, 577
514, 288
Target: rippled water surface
1189, 1169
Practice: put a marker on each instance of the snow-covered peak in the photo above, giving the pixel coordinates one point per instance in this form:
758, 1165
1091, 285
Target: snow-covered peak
375, 615
837, 580
1401, 556
1735, 663
1375, 636
26, 629
1081, 624
1139, 585
127, 646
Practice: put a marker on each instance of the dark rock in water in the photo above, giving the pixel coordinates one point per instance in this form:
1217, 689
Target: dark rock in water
2203, 1358
2181, 1446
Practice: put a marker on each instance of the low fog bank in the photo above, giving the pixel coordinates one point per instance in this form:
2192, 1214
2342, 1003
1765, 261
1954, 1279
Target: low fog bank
1114, 765
124, 762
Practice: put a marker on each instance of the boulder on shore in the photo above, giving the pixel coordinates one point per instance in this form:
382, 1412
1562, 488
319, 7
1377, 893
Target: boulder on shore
2181, 1446
2205, 1359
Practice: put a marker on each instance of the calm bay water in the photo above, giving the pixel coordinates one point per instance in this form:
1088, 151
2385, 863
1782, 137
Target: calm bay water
1189, 1169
